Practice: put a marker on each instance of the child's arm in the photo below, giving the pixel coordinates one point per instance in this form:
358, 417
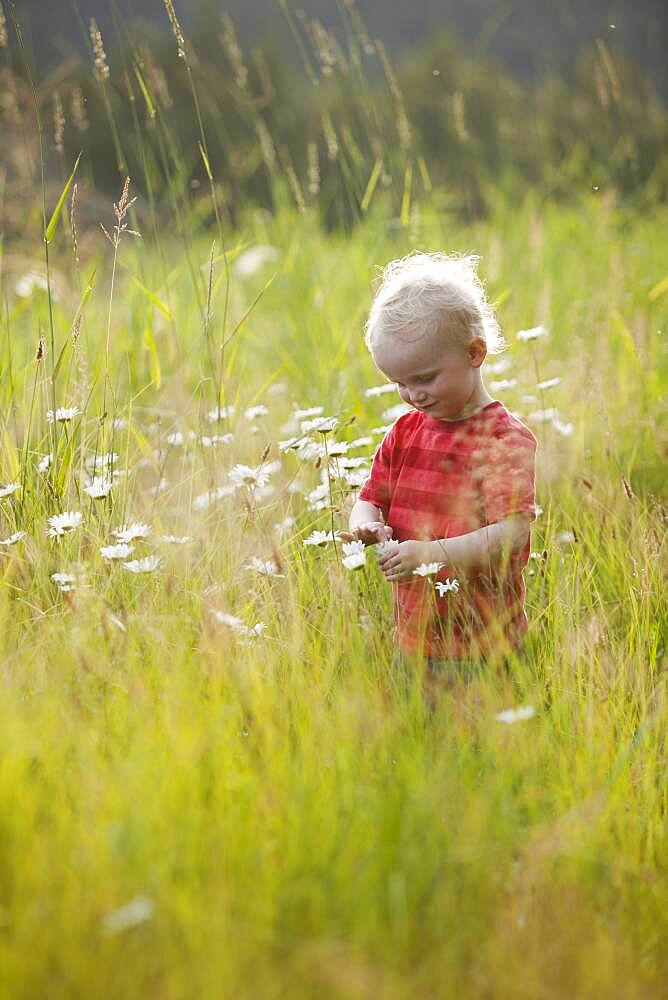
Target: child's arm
366, 524
471, 553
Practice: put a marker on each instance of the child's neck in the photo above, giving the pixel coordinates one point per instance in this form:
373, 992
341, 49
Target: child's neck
478, 400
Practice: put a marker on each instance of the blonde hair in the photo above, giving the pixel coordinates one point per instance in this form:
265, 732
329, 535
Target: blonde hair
432, 293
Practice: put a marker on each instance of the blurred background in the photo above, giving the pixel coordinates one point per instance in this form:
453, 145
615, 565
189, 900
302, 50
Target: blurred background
337, 103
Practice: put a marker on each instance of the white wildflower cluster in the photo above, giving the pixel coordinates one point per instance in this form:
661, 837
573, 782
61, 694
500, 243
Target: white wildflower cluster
237, 625
380, 390
511, 715
446, 586
427, 569
354, 556
265, 567
63, 414
62, 524
534, 333
9, 490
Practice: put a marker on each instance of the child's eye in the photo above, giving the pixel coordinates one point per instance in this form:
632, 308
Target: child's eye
423, 379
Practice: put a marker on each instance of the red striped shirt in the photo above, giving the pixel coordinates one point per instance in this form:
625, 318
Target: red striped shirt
437, 479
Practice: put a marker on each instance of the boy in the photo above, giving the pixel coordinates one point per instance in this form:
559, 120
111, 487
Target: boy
453, 480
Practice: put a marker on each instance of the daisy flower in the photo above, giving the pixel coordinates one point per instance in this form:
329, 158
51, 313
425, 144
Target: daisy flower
176, 539
354, 556
282, 526
99, 488
244, 475
145, 565
129, 532
60, 524
444, 588
510, 715
13, 539
237, 625
63, 414
220, 413
215, 439
563, 429
533, 333
498, 385
540, 416
252, 259
204, 500
9, 489
427, 569
175, 439
64, 581
253, 412
314, 411
397, 411
323, 425
44, 462
381, 430
356, 478
380, 390
498, 367
361, 442
265, 567
548, 383
319, 538
101, 463
387, 547
120, 551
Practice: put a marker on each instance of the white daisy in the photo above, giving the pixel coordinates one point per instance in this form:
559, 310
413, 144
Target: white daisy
266, 567
533, 333
158, 487
120, 551
238, 626
311, 451
387, 547
13, 539
9, 489
134, 913
129, 532
510, 715
220, 413
427, 569
564, 537
323, 425
282, 526
397, 411
291, 443
63, 414
319, 538
498, 367
314, 411
205, 500
277, 389
361, 442
380, 390
381, 430
499, 385
253, 412
564, 429
354, 556
336, 448
146, 565
541, 416
64, 581
44, 462
175, 439
356, 478
444, 588
60, 524
31, 279
101, 463
176, 539
99, 488
548, 383
215, 439
252, 259
244, 475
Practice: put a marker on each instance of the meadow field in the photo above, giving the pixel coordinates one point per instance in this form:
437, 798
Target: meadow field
211, 783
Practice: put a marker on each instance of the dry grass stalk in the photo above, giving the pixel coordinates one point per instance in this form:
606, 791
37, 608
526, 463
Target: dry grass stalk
101, 65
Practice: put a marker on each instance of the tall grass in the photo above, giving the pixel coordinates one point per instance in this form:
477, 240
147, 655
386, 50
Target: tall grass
191, 810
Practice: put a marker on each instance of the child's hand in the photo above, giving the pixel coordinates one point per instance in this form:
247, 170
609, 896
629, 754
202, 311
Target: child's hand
407, 556
369, 533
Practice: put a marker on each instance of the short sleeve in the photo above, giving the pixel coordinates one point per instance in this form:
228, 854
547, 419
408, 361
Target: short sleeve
507, 479
377, 489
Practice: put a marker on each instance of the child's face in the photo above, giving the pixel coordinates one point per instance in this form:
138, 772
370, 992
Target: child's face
436, 378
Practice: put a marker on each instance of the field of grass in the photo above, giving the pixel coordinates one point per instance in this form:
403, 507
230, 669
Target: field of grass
210, 782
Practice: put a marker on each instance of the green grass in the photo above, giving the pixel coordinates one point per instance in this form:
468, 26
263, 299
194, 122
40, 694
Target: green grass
298, 824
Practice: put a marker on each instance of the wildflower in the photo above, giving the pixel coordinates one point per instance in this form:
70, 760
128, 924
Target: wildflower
99, 488
380, 390
45, 462
290, 444
60, 524
176, 539
63, 414
158, 487
381, 430
498, 367
134, 913
244, 475
354, 556
538, 510
253, 412
319, 538
336, 448
146, 565
361, 442
120, 551
284, 525
251, 260
318, 498
356, 479
427, 569
532, 334
13, 539
541, 416
397, 411
215, 439
564, 537
277, 389
176, 439
499, 385
563, 429
129, 532
310, 451
9, 490
548, 383
323, 425
205, 500
238, 626
28, 281
265, 567
445, 587
64, 581
220, 413
313, 411
510, 715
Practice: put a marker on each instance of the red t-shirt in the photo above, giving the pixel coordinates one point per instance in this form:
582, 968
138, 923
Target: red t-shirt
436, 479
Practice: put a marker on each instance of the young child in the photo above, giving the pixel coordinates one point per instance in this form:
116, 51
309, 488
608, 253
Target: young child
453, 480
